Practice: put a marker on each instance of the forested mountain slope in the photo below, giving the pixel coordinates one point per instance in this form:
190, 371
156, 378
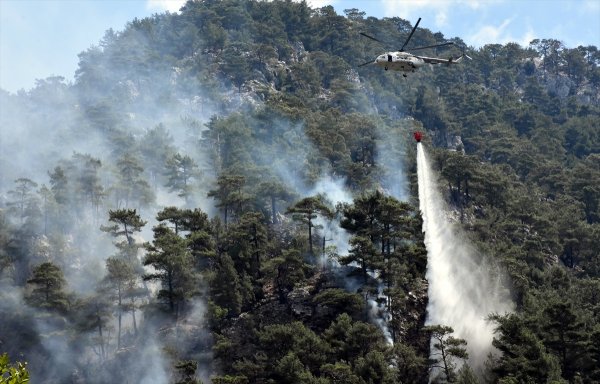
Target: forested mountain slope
223, 196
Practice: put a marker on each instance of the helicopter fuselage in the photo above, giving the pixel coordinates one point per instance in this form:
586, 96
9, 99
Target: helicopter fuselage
399, 61
408, 62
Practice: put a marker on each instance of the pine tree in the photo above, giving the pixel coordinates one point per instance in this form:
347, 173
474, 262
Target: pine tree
230, 195
172, 262
181, 171
447, 350
48, 288
126, 223
121, 280
131, 186
24, 203
306, 211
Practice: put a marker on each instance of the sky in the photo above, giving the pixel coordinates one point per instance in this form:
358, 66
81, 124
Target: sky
42, 38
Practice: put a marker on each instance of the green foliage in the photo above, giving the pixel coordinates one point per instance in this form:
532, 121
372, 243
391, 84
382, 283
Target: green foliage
306, 211
48, 284
565, 335
92, 317
447, 350
84, 172
121, 280
339, 373
410, 367
286, 271
248, 243
340, 301
523, 355
226, 286
230, 195
127, 222
172, 263
187, 370
181, 171
132, 187
284, 104
229, 379
351, 340
380, 227
24, 203
16, 373
466, 375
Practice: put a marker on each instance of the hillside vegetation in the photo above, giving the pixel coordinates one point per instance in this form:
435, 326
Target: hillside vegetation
223, 196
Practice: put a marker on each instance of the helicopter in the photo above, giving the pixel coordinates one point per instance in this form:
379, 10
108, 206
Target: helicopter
407, 62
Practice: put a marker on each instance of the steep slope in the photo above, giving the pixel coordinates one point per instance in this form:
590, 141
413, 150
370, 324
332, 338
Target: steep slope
233, 128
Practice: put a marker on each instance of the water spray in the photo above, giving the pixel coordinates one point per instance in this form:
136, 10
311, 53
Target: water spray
462, 291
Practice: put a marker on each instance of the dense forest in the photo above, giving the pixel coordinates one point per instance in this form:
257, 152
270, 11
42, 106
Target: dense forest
223, 196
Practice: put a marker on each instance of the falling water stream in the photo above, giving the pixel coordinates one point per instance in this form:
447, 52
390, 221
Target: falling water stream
463, 289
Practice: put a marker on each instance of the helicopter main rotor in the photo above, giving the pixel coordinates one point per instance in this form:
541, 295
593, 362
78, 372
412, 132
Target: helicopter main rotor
407, 40
411, 34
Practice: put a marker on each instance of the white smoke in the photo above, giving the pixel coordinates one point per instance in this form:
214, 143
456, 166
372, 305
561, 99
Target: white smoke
391, 152
156, 363
463, 289
334, 190
380, 317
378, 312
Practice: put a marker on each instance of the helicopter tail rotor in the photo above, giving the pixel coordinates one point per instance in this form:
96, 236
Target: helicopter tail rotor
452, 60
463, 55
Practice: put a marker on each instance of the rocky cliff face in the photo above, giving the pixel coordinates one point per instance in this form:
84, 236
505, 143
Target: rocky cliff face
564, 86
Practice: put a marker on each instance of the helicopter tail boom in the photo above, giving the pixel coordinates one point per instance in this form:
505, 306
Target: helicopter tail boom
437, 60
459, 58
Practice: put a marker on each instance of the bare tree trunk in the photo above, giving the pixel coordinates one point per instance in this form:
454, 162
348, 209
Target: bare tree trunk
103, 353
274, 215
120, 316
310, 245
134, 322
